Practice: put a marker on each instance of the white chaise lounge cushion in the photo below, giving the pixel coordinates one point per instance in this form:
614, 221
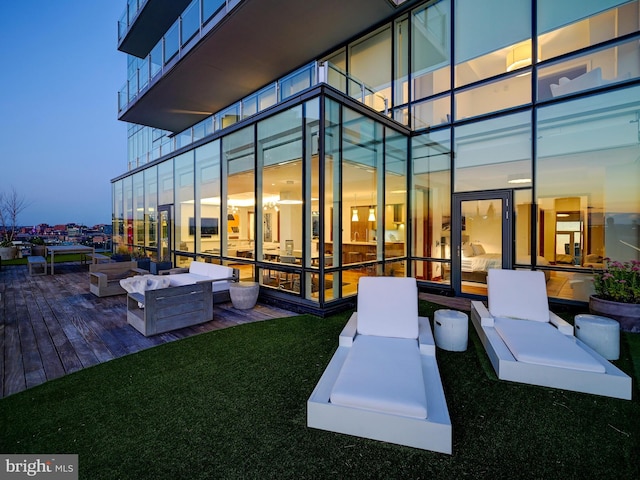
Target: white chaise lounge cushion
542, 344
518, 294
382, 374
388, 307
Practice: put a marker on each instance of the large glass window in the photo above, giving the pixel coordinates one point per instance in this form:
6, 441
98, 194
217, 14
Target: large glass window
493, 97
401, 61
138, 210
118, 214
587, 180
207, 224
395, 195
362, 157
431, 50
331, 220
491, 37
571, 25
370, 63
151, 206
165, 182
185, 205
239, 163
279, 149
585, 72
127, 190
431, 205
493, 154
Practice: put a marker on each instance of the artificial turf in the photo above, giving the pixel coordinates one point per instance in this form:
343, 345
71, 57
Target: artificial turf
232, 404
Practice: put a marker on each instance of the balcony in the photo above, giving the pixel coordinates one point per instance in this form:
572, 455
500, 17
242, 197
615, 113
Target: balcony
144, 22
189, 76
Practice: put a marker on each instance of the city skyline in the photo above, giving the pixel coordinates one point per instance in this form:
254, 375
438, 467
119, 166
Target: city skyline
61, 142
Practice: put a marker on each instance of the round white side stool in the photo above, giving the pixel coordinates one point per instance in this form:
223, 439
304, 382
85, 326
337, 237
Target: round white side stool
451, 330
600, 333
244, 295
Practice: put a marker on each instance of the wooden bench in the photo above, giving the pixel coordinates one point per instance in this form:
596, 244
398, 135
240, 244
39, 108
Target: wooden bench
167, 309
39, 263
95, 258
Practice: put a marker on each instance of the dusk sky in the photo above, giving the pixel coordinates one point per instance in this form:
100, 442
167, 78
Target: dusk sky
60, 140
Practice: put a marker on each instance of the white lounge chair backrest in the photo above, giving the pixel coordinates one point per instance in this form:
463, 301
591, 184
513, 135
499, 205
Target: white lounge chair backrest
518, 294
388, 307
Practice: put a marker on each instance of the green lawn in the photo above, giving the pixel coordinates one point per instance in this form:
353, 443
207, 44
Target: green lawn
232, 404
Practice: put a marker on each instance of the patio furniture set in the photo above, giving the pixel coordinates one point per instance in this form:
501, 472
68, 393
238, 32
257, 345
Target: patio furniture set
383, 381
175, 299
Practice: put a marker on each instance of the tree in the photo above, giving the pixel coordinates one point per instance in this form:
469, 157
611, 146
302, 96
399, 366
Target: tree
11, 205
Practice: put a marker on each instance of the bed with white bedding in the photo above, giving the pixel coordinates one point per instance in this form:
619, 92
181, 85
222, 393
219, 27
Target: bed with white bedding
475, 262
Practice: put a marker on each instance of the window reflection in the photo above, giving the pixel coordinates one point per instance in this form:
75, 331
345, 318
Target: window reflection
587, 174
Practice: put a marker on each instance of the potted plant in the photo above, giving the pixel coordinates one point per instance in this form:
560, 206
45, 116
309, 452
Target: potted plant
122, 254
142, 259
38, 247
7, 250
617, 295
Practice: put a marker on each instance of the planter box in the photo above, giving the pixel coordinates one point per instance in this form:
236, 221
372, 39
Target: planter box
8, 253
627, 314
157, 266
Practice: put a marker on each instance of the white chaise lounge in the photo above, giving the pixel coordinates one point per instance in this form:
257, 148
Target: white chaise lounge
383, 381
527, 343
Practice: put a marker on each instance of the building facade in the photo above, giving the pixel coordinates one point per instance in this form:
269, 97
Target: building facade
310, 143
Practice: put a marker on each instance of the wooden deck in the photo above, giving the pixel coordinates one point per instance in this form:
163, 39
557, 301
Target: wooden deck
52, 325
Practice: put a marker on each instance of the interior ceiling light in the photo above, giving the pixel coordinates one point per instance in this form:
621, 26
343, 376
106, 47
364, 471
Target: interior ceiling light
519, 56
372, 215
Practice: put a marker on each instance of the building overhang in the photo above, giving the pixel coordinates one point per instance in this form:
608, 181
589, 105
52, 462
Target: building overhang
255, 44
149, 26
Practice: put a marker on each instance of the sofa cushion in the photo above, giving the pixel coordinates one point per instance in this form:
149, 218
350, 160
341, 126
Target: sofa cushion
202, 271
388, 307
210, 270
382, 374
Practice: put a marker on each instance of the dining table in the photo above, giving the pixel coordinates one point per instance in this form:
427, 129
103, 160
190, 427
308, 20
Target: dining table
65, 249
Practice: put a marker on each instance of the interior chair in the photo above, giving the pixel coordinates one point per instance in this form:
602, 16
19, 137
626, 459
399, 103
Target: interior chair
527, 343
383, 381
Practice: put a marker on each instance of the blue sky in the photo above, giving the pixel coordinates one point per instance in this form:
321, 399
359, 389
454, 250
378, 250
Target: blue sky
60, 140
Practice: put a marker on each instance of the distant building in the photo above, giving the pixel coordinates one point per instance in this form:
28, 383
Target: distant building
322, 141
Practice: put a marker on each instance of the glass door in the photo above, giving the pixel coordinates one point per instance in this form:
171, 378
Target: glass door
164, 233
481, 237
